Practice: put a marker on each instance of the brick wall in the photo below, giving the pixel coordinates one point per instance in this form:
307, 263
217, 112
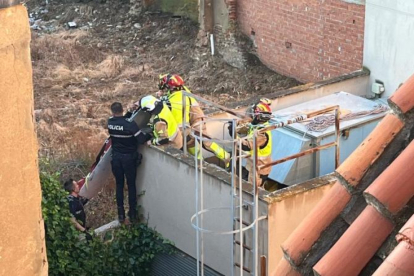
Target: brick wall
309, 40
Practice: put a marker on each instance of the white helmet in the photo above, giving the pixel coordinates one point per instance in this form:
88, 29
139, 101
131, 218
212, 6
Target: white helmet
148, 103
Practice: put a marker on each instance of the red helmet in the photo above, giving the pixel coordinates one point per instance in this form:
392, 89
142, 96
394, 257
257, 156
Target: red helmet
171, 82
262, 111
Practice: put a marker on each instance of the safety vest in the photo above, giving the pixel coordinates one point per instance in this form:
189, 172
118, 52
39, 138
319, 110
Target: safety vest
166, 116
175, 102
266, 151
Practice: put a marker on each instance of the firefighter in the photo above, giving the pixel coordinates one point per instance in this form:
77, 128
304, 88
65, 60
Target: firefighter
261, 113
164, 126
174, 85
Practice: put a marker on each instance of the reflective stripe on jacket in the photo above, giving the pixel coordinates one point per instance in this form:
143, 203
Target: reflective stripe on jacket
172, 127
175, 103
266, 149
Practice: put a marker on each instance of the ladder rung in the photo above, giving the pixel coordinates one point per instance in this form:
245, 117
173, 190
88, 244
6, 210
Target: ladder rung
248, 202
243, 222
251, 203
244, 246
244, 268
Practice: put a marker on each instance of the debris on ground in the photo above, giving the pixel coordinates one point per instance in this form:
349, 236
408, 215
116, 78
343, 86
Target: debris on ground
87, 55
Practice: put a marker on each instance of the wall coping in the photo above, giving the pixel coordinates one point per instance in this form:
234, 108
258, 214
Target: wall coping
299, 188
357, 2
294, 90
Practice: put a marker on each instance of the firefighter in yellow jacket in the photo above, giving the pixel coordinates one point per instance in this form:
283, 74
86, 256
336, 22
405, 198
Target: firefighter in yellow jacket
174, 85
165, 128
261, 114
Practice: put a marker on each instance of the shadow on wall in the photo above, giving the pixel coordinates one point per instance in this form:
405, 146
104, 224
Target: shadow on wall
187, 8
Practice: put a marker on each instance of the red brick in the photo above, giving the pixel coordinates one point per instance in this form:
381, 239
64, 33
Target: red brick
289, 21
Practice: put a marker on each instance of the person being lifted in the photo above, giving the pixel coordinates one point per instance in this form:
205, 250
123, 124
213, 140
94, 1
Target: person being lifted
261, 113
174, 86
165, 128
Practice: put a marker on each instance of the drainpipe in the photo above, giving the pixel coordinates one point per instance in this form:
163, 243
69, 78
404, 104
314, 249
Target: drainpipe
8, 3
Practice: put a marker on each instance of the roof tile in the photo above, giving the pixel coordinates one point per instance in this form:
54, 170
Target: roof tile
395, 186
404, 96
356, 246
284, 269
407, 232
307, 233
356, 165
401, 261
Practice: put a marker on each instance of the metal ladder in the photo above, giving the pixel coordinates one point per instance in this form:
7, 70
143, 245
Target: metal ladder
245, 255
238, 203
240, 226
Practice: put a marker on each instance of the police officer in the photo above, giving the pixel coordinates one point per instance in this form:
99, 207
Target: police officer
125, 158
76, 203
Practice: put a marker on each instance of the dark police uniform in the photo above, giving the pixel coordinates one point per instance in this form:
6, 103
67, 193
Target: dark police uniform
76, 204
125, 159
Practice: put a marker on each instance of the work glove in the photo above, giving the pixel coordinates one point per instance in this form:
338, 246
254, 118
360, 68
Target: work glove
161, 142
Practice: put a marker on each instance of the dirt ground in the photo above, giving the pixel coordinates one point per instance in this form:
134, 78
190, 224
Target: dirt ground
114, 56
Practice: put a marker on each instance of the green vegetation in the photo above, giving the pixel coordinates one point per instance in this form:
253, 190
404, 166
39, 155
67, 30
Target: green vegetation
128, 250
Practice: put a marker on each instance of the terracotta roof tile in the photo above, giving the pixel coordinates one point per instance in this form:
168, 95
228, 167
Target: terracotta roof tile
356, 246
404, 96
401, 261
284, 269
307, 233
356, 165
407, 232
395, 186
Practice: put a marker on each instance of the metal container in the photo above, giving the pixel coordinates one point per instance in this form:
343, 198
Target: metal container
296, 138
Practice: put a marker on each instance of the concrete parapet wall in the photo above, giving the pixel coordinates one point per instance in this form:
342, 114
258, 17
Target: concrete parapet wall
167, 180
287, 209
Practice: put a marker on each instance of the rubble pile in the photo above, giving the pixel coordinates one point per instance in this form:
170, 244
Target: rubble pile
88, 54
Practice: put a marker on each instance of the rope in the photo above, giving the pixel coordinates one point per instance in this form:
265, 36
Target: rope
323, 122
